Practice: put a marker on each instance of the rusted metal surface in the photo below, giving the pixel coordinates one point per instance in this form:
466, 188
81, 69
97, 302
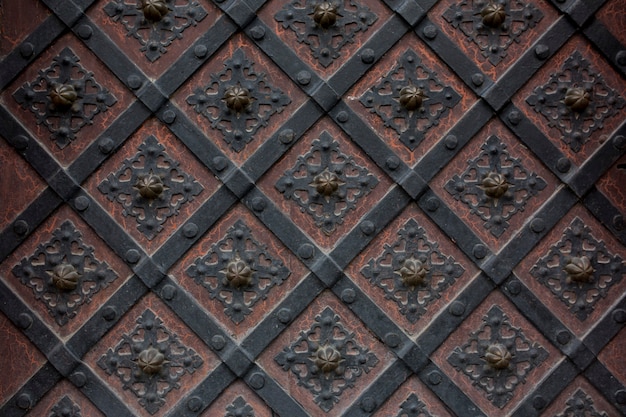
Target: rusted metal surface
306, 208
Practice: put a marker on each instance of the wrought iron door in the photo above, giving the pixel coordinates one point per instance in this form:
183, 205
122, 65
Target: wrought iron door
309, 208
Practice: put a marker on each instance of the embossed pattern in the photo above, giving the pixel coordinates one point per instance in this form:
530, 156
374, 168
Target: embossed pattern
386, 208
155, 30
64, 97
390, 99
151, 187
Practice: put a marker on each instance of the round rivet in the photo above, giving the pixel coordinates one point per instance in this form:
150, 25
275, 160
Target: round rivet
619, 316
303, 77
393, 162
542, 51
619, 142
368, 404
21, 227
539, 402
367, 56
284, 315
479, 251
392, 340
190, 230
514, 287
432, 204
24, 321
618, 222
621, 58
306, 251
434, 378
258, 204
563, 337
451, 142
537, 225
79, 379
169, 116
24, 401
200, 51
220, 163
367, 227
515, 117
478, 79
430, 32
286, 136
257, 32
168, 292
109, 313
133, 256
134, 81
257, 381
26, 49
342, 117
457, 308
20, 142
348, 295
105, 145
81, 203
85, 31
194, 404
563, 165
620, 397
218, 342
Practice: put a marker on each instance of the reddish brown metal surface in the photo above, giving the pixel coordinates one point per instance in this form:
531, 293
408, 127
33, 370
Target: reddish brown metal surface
274, 77
175, 150
472, 150
132, 47
445, 76
19, 183
304, 220
543, 75
101, 121
42, 235
543, 293
17, 19
175, 326
18, 358
267, 13
472, 324
273, 247
388, 237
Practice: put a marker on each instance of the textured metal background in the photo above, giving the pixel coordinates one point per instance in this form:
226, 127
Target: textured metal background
322, 249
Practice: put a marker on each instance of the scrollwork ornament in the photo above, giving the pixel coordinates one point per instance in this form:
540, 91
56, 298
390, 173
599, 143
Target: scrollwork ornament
239, 408
495, 186
497, 357
65, 407
410, 99
493, 25
325, 26
326, 183
412, 271
64, 98
326, 359
580, 404
155, 23
64, 273
150, 361
413, 407
238, 271
151, 187
238, 101
576, 100
579, 269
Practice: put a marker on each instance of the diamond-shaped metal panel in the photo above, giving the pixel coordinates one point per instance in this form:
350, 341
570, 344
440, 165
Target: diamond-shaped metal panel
312, 208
